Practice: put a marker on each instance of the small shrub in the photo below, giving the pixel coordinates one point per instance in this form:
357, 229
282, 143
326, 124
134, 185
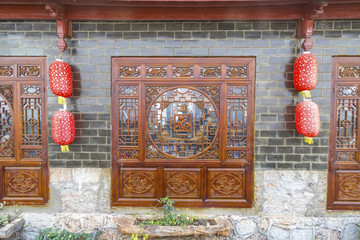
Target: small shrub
171, 218
57, 234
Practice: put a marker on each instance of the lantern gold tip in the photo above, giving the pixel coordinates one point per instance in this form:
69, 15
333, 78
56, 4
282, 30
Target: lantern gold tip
65, 148
309, 140
62, 101
305, 94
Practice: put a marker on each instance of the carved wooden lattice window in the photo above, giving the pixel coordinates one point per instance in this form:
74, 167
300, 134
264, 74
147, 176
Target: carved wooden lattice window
344, 160
183, 128
23, 131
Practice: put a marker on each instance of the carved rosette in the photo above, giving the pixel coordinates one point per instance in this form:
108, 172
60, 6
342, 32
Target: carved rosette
348, 91
29, 71
225, 183
6, 71
349, 186
186, 72
237, 91
236, 71
21, 182
130, 71
156, 72
30, 90
210, 72
139, 183
182, 183
349, 72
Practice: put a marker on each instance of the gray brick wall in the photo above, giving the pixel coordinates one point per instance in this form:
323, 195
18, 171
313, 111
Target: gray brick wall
277, 144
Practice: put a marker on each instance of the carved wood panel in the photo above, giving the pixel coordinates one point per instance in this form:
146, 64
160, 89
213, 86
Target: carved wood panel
23, 131
182, 183
344, 167
183, 127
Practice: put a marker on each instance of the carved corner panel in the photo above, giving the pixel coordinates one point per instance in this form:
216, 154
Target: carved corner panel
348, 183
23, 130
225, 183
138, 183
344, 144
22, 182
183, 128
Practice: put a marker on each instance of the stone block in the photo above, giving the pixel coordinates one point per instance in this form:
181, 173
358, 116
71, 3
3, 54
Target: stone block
277, 233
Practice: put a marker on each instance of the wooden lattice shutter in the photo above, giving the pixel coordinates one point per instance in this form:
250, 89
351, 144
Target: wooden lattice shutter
344, 159
183, 128
23, 131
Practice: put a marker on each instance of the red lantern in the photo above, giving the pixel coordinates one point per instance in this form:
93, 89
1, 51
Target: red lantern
60, 79
307, 118
63, 129
305, 73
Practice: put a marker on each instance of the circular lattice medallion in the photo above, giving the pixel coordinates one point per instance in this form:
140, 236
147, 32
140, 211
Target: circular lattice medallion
182, 123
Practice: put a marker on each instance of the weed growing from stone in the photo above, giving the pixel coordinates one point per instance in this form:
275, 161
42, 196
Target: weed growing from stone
57, 234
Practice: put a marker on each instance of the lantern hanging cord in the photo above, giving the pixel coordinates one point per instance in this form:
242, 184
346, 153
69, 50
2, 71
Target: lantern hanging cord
60, 55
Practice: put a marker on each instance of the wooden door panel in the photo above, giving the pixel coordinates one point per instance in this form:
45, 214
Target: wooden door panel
344, 144
181, 127
183, 182
23, 121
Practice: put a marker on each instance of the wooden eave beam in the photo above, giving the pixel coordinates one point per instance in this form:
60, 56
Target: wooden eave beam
88, 13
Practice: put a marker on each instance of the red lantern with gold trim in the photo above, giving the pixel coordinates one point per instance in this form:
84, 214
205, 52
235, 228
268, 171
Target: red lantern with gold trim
307, 117
63, 129
60, 78
305, 73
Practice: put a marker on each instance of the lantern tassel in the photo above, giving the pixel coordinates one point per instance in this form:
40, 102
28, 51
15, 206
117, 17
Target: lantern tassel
62, 100
65, 148
309, 140
305, 94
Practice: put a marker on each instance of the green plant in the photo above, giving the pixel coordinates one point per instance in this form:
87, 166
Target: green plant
171, 218
135, 236
57, 234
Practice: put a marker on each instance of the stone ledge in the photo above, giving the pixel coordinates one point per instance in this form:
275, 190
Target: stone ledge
219, 226
9, 229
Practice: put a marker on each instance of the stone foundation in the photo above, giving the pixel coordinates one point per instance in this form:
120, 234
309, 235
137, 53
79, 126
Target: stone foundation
288, 205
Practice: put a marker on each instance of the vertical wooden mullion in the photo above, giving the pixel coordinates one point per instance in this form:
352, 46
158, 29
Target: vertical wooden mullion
18, 126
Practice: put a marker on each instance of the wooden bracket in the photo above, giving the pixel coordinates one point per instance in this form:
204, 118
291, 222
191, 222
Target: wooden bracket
63, 25
305, 27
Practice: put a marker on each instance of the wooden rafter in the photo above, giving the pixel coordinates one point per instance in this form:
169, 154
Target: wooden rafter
195, 10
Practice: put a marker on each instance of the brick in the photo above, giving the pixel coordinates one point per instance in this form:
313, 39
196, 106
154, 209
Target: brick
24, 26
166, 35
267, 165
278, 26
182, 35
148, 35
302, 166
332, 34
105, 26
131, 35
276, 141
73, 164
323, 25
226, 26
267, 149
252, 34
209, 26
56, 163
98, 156
342, 25
287, 149
275, 158
89, 148
7, 26
157, 26
319, 166
270, 34
191, 26
199, 35
33, 35
104, 164
292, 158
87, 26
114, 35
97, 140
122, 27
284, 165
217, 35
97, 35
244, 26
173, 26
139, 27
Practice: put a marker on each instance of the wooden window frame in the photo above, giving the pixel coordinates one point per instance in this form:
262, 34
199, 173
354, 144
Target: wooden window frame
344, 159
132, 167
24, 175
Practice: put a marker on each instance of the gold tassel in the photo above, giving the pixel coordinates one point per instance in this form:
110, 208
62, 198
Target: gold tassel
309, 140
62, 101
65, 148
305, 94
